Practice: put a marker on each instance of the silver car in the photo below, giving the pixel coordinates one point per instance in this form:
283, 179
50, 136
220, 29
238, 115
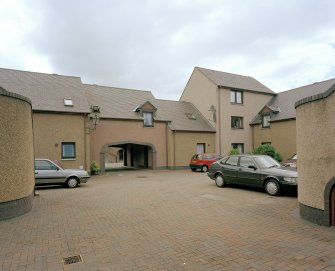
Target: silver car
47, 172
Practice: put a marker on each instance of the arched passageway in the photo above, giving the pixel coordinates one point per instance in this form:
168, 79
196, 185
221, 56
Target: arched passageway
134, 154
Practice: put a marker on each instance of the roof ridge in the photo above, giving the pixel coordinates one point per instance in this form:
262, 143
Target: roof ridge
120, 88
165, 100
315, 83
54, 74
225, 72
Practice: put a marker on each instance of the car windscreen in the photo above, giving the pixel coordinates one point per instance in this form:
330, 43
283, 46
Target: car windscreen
266, 162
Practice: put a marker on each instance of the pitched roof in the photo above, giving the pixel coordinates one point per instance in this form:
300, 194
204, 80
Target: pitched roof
236, 81
183, 115
285, 100
118, 103
46, 91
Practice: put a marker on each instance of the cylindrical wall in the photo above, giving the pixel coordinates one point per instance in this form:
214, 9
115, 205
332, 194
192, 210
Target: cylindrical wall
16, 155
315, 122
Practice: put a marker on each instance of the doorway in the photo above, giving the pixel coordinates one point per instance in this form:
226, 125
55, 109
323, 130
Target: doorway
332, 206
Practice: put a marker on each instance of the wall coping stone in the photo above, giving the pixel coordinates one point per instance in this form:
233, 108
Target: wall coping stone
4, 92
315, 97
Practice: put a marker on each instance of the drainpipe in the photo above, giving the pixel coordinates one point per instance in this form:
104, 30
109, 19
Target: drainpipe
167, 146
174, 149
219, 118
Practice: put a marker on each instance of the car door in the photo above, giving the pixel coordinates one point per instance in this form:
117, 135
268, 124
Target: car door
47, 172
248, 173
229, 169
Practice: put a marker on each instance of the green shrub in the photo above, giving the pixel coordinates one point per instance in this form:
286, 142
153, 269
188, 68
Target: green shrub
234, 152
267, 149
95, 169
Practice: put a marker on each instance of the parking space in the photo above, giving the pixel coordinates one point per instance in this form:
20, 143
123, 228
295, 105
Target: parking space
163, 220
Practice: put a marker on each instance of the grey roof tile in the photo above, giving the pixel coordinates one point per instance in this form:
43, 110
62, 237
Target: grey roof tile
118, 103
236, 81
285, 100
46, 91
183, 115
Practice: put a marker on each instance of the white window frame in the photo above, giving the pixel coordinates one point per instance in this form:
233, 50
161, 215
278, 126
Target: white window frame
148, 119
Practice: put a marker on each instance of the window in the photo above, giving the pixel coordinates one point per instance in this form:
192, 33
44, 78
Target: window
238, 146
201, 147
236, 97
237, 122
68, 150
232, 161
266, 121
68, 102
246, 162
44, 165
148, 119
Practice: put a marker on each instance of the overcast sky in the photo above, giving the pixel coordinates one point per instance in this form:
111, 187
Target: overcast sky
155, 45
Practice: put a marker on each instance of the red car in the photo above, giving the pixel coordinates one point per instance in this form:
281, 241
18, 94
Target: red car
291, 162
203, 161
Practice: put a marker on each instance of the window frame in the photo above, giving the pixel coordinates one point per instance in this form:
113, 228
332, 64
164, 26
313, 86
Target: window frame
74, 150
238, 144
68, 102
204, 147
240, 120
233, 96
144, 113
268, 121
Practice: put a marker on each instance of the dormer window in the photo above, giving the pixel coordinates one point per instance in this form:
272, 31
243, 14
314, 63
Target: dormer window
68, 102
266, 121
148, 119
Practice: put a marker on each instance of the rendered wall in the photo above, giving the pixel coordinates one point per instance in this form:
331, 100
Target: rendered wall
203, 93
183, 145
252, 103
282, 136
114, 131
50, 130
16, 155
316, 149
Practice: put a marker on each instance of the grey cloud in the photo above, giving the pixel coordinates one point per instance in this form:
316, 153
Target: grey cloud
154, 45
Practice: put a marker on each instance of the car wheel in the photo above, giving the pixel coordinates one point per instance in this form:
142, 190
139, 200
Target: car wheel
219, 180
193, 169
204, 169
72, 182
272, 187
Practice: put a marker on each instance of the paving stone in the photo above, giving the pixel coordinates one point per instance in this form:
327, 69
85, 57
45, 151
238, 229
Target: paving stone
170, 220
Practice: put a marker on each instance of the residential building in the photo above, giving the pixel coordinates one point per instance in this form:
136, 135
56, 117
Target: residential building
76, 123
229, 102
60, 113
275, 123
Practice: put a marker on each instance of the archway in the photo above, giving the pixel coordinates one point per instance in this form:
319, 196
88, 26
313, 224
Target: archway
135, 154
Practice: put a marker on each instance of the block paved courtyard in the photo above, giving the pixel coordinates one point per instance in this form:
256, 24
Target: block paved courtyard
163, 220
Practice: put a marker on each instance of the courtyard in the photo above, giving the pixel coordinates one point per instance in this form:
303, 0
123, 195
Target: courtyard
163, 220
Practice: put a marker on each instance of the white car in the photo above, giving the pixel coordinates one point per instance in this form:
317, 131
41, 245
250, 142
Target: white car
47, 172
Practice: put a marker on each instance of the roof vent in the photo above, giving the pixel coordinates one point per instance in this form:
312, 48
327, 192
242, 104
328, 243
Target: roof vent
191, 116
68, 102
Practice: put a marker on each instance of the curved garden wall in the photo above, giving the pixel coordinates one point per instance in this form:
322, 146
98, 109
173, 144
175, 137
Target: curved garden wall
16, 155
315, 124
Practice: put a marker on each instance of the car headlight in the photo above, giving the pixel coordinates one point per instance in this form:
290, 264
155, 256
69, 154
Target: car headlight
291, 179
